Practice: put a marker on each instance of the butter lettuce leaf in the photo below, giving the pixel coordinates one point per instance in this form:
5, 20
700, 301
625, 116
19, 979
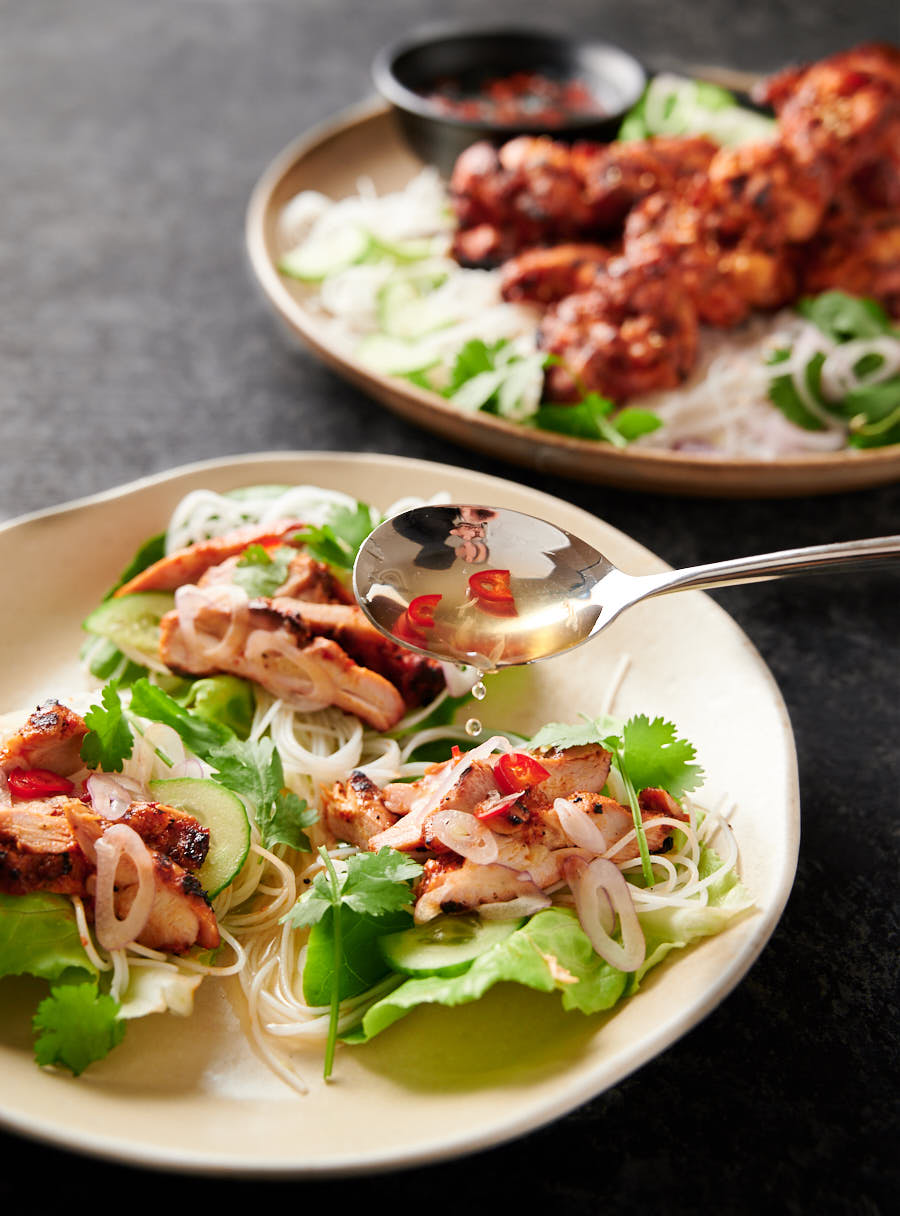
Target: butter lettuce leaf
39, 936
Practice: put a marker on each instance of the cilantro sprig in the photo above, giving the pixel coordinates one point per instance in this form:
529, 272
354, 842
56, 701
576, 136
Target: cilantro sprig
371, 886
338, 540
75, 1025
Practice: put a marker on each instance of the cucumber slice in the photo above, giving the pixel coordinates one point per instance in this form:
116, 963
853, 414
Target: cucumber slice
414, 249
131, 622
394, 356
220, 811
447, 945
326, 253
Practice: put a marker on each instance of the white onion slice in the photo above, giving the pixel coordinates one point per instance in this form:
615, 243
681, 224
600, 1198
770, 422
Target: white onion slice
464, 834
580, 827
112, 796
5, 795
116, 842
594, 884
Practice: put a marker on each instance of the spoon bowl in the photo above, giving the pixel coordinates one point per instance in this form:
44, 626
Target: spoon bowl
488, 587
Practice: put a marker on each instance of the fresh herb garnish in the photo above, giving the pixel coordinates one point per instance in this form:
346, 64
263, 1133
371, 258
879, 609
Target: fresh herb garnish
75, 1025
253, 769
261, 571
594, 417
337, 542
868, 402
370, 885
109, 741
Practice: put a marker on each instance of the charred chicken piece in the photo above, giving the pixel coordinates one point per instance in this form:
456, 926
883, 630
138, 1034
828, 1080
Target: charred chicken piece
51, 739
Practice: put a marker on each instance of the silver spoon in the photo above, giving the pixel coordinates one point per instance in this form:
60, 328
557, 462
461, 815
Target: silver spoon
492, 588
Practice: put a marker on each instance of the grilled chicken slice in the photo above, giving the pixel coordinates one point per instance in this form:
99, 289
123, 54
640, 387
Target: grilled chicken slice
307, 579
417, 678
170, 831
354, 810
38, 851
180, 915
449, 884
410, 833
217, 629
570, 768
47, 845
188, 565
51, 739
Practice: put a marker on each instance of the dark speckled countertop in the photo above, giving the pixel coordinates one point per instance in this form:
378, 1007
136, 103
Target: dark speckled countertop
131, 340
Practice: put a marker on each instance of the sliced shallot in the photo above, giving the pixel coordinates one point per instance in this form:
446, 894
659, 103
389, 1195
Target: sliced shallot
580, 827
117, 842
599, 886
462, 833
112, 796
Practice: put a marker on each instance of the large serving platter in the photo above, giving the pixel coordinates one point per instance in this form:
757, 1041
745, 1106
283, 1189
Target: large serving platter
192, 1094
365, 142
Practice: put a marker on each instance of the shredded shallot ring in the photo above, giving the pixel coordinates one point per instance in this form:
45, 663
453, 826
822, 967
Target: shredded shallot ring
464, 834
118, 840
580, 827
590, 884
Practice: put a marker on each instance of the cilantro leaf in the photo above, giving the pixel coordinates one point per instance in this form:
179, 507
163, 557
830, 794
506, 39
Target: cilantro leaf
282, 821
199, 733
109, 740
261, 572
655, 757
377, 883
337, 542
842, 316
564, 734
76, 1025
253, 769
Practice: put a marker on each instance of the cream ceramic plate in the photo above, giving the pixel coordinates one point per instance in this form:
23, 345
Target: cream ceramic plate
192, 1094
364, 142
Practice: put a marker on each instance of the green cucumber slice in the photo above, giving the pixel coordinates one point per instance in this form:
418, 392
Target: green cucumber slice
413, 249
131, 622
447, 945
325, 254
223, 813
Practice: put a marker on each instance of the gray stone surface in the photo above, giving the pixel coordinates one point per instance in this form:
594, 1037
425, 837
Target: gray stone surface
132, 339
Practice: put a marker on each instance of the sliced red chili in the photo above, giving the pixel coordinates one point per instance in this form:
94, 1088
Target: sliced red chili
421, 610
405, 631
491, 585
500, 807
517, 771
37, 783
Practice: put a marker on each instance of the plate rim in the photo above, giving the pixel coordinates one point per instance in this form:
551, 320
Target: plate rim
578, 1092
695, 473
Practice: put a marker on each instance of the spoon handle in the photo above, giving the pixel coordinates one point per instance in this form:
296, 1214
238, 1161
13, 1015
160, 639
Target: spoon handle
841, 555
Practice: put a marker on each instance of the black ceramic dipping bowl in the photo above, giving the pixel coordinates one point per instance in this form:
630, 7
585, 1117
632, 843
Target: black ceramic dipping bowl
408, 70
